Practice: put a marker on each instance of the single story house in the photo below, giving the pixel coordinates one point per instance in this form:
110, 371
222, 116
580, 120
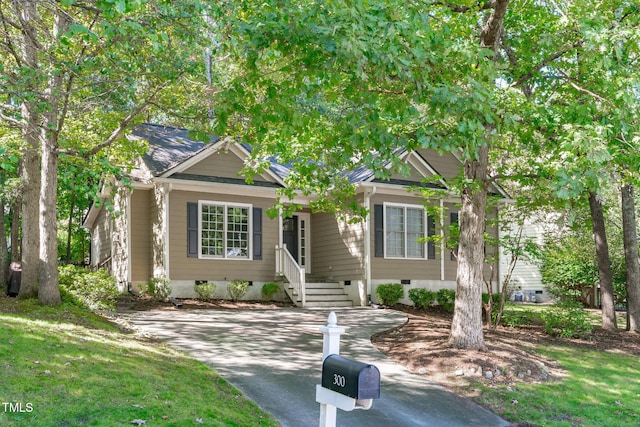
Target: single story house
188, 216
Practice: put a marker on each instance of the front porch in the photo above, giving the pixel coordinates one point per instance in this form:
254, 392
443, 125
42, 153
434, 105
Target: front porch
307, 290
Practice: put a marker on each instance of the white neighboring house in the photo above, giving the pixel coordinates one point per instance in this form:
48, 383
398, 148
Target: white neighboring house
526, 278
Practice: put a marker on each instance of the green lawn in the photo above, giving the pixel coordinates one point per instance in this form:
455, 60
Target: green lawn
68, 367
601, 388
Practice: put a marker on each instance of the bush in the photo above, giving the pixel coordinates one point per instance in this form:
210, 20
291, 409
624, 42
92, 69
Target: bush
237, 289
390, 293
519, 317
446, 299
567, 320
96, 290
422, 298
269, 289
205, 290
159, 288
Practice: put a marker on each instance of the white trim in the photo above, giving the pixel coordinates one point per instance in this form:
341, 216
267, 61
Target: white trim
415, 157
231, 189
208, 150
244, 154
425, 224
307, 218
129, 243
226, 205
367, 238
168, 189
397, 190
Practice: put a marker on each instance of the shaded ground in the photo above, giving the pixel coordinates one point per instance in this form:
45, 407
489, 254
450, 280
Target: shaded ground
421, 346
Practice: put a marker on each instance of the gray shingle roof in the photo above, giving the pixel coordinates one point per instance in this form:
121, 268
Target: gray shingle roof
168, 146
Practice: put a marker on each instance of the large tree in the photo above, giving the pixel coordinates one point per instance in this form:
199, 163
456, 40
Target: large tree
65, 62
329, 86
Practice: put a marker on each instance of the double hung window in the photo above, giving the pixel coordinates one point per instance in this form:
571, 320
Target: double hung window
405, 231
225, 230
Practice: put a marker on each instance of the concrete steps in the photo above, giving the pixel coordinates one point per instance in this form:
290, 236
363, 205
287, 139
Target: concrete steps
322, 294
326, 294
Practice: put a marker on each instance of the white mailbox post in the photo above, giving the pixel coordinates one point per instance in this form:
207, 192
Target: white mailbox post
346, 384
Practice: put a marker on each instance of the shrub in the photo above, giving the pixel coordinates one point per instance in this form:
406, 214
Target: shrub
205, 290
568, 320
96, 290
159, 288
269, 289
446, 299
520, 317
390, 293
237, 289
422, 298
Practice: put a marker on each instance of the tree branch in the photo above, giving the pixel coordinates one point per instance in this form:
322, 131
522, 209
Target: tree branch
547, 61
584, 90
11, 121
459, 8
121, 126
492, 29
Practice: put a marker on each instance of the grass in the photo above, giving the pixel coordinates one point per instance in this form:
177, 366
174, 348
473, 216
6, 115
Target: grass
600, 389
66, 366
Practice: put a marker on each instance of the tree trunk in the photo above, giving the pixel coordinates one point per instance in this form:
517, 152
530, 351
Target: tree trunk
49, 292
15, 231
466, 327
4, 251
630, 235
30, 159
30, 225
604, 266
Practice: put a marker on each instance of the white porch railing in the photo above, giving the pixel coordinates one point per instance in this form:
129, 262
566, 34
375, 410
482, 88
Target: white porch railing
287, 266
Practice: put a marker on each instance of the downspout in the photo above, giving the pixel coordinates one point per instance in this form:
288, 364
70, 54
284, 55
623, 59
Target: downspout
367, 241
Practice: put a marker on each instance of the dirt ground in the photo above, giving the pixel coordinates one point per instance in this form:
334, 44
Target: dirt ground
421, 346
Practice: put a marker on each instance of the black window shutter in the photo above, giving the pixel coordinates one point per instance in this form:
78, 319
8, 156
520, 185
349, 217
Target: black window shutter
378, 223
192, 230
453, 219
257, 233
431, 231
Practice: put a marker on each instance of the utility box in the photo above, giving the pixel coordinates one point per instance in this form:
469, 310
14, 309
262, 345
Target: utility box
354, 379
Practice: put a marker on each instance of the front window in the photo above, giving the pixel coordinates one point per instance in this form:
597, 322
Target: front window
405, 231
224, 230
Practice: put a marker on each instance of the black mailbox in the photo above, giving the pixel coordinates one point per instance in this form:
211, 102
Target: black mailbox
354, 379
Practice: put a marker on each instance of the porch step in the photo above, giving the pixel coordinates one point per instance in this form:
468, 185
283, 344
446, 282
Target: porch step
325, 294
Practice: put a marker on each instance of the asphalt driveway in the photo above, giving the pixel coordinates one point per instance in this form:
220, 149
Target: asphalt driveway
274, 356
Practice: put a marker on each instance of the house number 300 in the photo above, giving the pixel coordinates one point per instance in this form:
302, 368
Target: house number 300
339, 380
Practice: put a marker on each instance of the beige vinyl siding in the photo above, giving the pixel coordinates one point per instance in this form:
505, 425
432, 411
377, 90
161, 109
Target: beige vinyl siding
451, 265
337, 248
185, 268
221, 164
445, 164
414, 175
141, 204
385, 268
